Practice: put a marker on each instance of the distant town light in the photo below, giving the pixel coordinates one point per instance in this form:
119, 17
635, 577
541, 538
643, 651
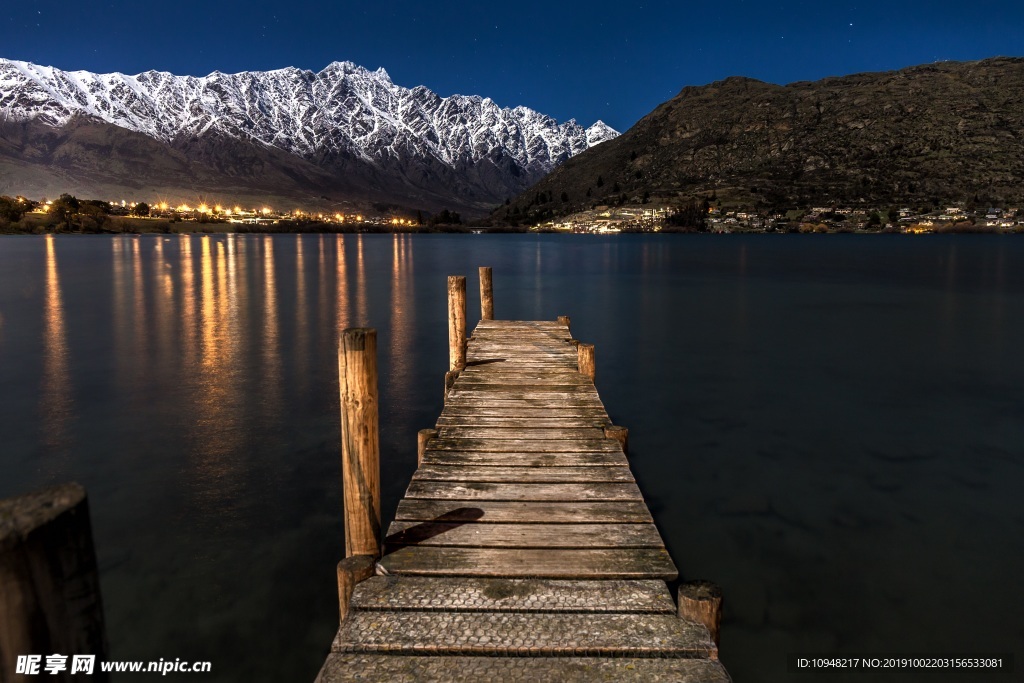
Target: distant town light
265, 211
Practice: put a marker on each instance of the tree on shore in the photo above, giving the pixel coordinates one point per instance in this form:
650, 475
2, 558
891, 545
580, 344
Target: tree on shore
11, 210
141, 209
63, 210
691, 216
446, 217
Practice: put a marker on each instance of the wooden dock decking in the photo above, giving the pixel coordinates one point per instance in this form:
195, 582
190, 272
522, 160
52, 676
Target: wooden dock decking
523, 549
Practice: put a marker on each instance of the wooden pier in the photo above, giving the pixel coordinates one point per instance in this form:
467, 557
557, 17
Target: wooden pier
523, 549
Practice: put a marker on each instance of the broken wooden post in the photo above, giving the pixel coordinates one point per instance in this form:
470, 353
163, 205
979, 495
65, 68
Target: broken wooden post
701, 601
456, 322
360, 440
486, 294
423, 437
620, 434
351, 571
585, 360
49, 582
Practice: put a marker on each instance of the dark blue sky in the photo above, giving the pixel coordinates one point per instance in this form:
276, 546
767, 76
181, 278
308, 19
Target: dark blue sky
613, 61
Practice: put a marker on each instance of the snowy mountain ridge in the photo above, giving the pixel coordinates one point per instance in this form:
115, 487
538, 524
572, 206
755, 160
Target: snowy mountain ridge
344, 110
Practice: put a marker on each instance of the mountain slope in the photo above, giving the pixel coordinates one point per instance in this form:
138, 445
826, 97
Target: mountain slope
927, 134
348, 131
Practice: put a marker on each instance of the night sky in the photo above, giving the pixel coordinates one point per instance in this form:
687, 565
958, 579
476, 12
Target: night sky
588, 61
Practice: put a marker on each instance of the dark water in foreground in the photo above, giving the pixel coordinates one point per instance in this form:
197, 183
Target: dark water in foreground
830, 427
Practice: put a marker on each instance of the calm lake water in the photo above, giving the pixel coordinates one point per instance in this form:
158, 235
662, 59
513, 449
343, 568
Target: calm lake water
831, 427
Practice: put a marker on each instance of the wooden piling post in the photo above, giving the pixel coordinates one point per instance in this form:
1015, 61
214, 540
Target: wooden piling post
49, 582
422, 438
620, 434
351, 571
585, 360
701, 601
564, 319
456, 322
486, 294
360, 440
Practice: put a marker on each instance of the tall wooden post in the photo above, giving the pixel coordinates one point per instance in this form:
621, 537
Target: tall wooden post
49, 583
486, 294
585, 360
701, 601
360, 440
456, 322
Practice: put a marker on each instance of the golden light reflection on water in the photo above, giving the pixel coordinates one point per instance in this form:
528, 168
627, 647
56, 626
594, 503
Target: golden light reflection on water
216, 378
56, 401
362, 317
120, 293
301, 314
271, 387
163, 287
140, 349
188, 301
402, 314
341, 286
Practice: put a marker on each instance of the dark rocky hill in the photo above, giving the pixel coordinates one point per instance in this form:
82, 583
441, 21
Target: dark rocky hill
925, 135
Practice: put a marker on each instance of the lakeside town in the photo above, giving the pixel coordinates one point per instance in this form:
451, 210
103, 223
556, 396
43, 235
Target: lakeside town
817, 219
69, 214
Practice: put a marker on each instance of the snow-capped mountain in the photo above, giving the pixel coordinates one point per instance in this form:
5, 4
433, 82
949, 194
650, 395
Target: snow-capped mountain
343, 118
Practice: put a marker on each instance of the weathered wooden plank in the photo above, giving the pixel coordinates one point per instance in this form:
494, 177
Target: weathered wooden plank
477, 535
533, 353
532, 379
519, 433
545, 344
524, 460
467, 594
471, 400
523, 412
341, 667
540, 348
526, 445
513, 365
566, 391
537, 422
525, 492
547, 563
532, 475
512, 323
538, 634
552, 512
